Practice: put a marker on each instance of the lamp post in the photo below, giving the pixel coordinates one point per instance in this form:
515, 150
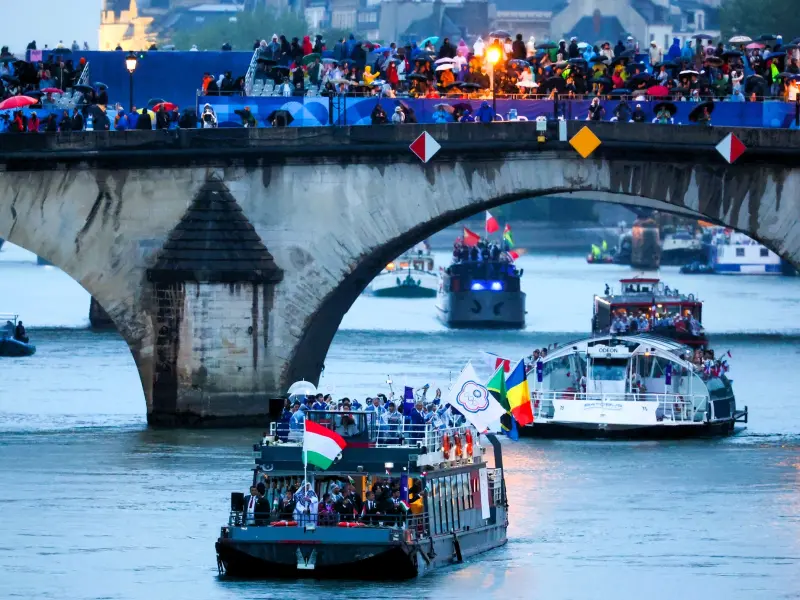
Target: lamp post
130, 64
493, 57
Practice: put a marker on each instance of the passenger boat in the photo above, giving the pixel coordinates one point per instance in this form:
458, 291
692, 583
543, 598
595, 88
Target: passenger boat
482, 294
9, 345
681, 247
411, 275
457, 504
644, 304
631, 386
733, 253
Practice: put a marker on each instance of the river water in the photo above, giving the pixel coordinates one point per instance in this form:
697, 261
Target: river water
95, 505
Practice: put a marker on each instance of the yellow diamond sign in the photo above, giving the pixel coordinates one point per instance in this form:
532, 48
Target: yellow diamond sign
585, 142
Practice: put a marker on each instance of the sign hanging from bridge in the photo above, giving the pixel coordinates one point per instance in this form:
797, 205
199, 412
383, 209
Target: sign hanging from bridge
585, 142
424, 147
731, 148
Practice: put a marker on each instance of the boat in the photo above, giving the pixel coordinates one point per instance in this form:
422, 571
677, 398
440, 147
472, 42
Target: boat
457, 504
411, 275
697, 268
733, 253
632, 386
481, 289
9, 345
681, 247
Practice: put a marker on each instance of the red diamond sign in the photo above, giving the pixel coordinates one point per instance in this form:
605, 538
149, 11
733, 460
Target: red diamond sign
731, 148
424, 147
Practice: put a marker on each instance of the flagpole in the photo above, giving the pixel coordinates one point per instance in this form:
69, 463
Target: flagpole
305, 457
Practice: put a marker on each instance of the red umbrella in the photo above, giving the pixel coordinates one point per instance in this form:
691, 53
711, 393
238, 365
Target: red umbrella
17, 102
168, 106
658, 91
754, 46
52, 90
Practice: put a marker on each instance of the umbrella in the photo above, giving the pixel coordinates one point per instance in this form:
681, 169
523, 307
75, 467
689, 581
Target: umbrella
714, 61
340, 81
619, 60
755, 78
300, 388
619, 92
739, 39
100, 85
658, 91
283, 118
17, 102
168, 106
598, 59
518, 62
10, 79
703, 36
417, 77
628, 54
777, 54
83, 89
561, 64
527, 84
61, 51
310, 58
330, 61
787, 75
266, 61
470, 86
327, 54
583, 45
667, 63
444, 60
7, 59
731, 54
765, 37
754, 46
668, 106
547, 46
578, 61
445, 67
689, 72
462, 107
434, 39
556, 83
603, 80
422, 58
500, 33
377, 50
447, 107
698, 110
37, 94
52, 90
632, 66
796, 40
641, 78
454, 85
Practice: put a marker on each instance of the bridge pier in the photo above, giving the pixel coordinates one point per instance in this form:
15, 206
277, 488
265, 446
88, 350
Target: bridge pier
98, 317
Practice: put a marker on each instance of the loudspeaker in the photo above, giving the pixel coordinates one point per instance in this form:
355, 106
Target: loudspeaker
237, 501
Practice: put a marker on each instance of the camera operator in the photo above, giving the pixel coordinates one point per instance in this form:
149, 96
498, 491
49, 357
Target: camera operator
208, 118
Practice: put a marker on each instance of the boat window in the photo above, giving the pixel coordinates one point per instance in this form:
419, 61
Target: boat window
609, 370
740, 252
764, 252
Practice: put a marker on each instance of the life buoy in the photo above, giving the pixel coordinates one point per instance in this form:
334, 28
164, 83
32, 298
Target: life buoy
283, 524
457, 443
446, 445
468, 437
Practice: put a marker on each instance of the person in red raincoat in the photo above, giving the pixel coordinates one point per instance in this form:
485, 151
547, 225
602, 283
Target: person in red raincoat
33, 123
392, 78
307, 47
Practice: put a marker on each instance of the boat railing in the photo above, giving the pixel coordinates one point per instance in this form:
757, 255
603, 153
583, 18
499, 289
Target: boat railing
496, 487
382, 430
419, 523
671, 407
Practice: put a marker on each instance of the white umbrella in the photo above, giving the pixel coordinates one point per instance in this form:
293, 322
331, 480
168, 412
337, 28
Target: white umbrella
302, 388
442, 61
740, 39
583, 45
527, 84
689, 72
445, 67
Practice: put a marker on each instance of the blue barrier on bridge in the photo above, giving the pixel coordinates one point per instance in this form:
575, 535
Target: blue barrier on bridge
315, 111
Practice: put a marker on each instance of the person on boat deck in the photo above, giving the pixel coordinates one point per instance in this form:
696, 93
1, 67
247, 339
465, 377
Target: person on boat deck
262, 507
370, 510
345, 422
250, 502
390, 424
346, 508
286, 507
327, 511
19, 333
306, 505
8, 328
319, 403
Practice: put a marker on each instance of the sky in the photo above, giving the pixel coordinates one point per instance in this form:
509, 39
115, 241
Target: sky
50, 21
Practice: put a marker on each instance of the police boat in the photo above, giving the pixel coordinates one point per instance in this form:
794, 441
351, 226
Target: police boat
447, 503
10, 345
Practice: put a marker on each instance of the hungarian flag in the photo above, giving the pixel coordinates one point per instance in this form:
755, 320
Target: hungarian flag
507, 235
491, 223
321, 446
471, 238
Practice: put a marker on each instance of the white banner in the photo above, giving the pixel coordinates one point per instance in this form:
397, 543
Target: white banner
471, 398
486, 510
609, 412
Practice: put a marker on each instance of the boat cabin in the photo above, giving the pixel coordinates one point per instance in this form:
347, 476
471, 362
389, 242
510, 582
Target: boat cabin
480, 276
410, 263
645, 304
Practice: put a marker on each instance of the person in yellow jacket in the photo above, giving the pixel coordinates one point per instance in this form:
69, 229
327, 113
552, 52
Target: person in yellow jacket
369, 76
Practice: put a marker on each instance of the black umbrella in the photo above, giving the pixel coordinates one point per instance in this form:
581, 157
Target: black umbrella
35, 94
667, 63
641, 78
703, 36
755, 79
452, 86
619, 93
577, 61
100, 85
58, 51
470, 87
547, 46
7, 59
83, 89
634, 66
266, 61
280, 118
628, 54
714, 61
10, 79
697, 111
555, 83
668, 106
500, 33
423, 58
731, 54
417, 77
603, 80
598, 59
619, 60
462, 107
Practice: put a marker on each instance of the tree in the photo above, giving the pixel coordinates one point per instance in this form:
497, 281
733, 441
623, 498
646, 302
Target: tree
743, 17
240, 31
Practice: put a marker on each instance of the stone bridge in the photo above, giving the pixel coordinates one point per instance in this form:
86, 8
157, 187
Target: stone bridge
227, 258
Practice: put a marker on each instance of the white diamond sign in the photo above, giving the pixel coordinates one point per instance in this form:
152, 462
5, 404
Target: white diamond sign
424, 147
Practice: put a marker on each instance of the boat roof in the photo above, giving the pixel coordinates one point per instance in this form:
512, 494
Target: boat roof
640, 280
652, 343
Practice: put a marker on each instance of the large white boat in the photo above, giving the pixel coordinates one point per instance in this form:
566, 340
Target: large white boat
681, 247
631, 386
733, 253
409, 276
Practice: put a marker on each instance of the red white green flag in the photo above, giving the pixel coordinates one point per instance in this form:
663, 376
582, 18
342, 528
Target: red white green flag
321, 446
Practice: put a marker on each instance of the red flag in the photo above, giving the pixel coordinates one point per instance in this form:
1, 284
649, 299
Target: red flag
491, 223
471, 238
513, 254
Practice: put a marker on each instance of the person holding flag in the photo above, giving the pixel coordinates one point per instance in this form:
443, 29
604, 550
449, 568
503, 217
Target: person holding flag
508, 239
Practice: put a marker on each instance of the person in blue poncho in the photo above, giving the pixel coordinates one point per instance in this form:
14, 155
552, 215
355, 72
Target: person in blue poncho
688, 51
440, 115
674, 52
485, 114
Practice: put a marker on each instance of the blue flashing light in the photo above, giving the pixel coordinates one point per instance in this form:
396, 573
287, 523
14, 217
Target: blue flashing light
497, 286
477, 286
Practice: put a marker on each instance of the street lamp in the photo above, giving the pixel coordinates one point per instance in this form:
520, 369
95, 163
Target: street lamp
493, 57
130, 64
